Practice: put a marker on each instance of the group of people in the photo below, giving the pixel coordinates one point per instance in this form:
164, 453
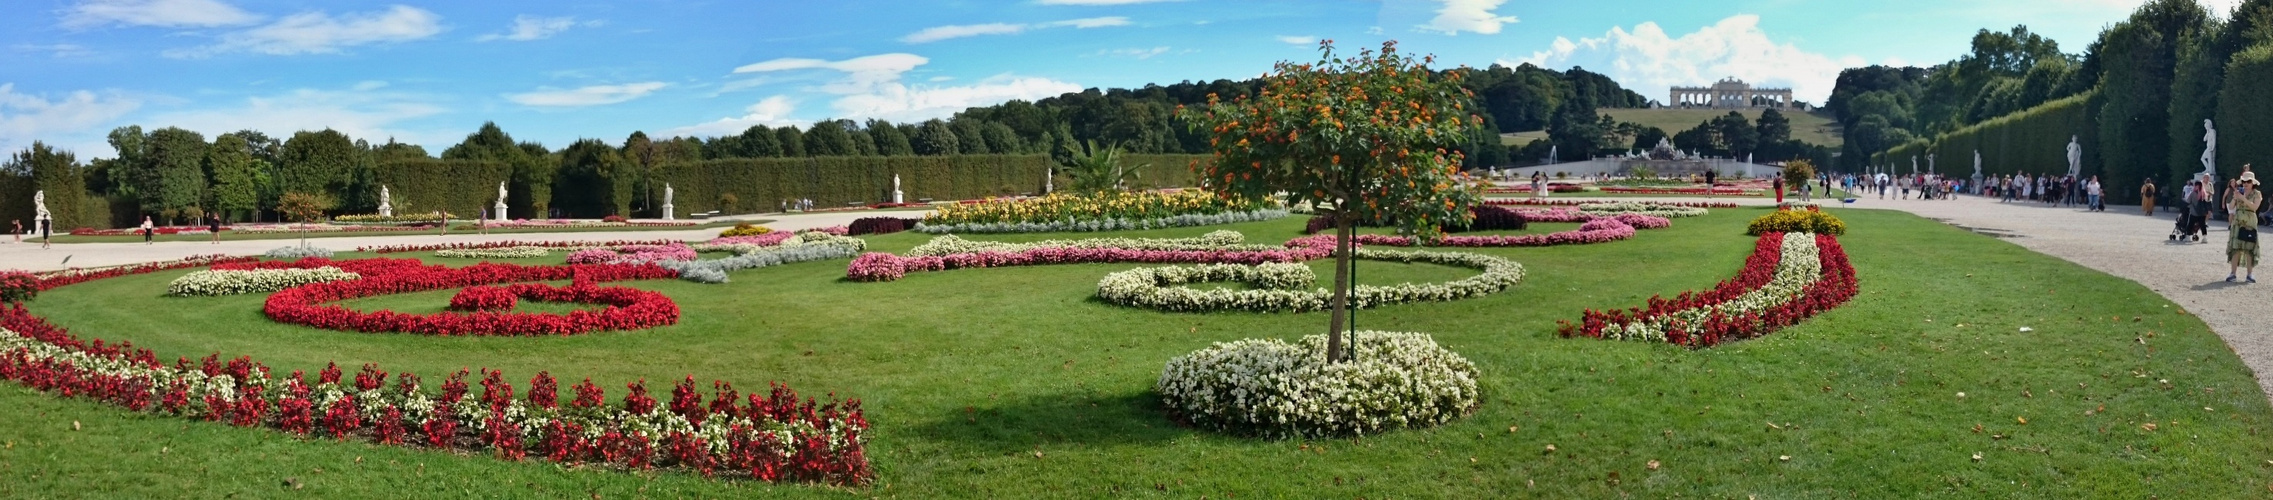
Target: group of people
2062, 191
1927, 186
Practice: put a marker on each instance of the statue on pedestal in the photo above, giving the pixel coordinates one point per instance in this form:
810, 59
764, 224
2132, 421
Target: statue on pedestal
2076, 155
669, 212
386, 202
39, 207
499, 208
897, 196
2209, 150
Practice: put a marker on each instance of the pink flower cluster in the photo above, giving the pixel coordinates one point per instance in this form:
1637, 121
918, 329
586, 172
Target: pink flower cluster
887, 267
1556, 202
630, 309
1595, 229
632, 254
763, 240
507, 244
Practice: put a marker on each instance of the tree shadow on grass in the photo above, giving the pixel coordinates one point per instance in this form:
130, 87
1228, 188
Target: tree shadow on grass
1085, 419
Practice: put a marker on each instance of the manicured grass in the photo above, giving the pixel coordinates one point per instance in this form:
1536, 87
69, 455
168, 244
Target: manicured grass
1016, 383
61, 238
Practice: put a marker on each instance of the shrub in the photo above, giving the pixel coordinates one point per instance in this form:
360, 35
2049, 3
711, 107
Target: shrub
1274, 388
745, 229
297, 252
1797, 221
1488, 218
614, 218
880, 225
243, 281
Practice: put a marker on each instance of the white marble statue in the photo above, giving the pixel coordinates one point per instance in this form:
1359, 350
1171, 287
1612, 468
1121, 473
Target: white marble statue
1913, 165
2075, 156
386, 202
670, 212
2209, 149
1930, 164
668, 193
1976, 164
897, 196
499, 208
39, 206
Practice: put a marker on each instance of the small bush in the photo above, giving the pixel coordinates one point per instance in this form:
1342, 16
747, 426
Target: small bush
297, 252
1797, 221
745, 229
880, 225
1491, 218
1276, 388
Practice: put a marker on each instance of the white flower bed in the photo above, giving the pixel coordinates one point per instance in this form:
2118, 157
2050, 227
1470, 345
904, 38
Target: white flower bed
1799, 264
297, 252
1216, 240
234, 282
1666, 211
805, 247
522, 252
1271, 387
1106, 224
1157, 287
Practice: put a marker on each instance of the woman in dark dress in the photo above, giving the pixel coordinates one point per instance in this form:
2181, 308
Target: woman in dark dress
213, 225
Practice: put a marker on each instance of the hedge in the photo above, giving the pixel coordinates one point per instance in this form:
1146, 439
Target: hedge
460, 187
2033, 141
2245, 116
762, 184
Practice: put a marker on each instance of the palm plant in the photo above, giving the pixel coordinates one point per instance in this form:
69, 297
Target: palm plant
1098, 170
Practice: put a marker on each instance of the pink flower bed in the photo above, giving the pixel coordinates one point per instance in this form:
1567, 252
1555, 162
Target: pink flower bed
877, 266
507, 244
763, 240
1557, 202
632, 254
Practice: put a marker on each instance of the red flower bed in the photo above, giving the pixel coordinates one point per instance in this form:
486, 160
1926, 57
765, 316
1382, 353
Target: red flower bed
1557, 202
1836, 287
629, 309
50, 280
137, 231
824, 441
484, 298
1687, 190
17, 286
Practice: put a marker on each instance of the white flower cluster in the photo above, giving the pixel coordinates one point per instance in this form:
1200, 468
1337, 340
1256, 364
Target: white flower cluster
1215, 240
1798, 265
297, 252
1156, 287
1271, 387
520, 252
1115, 224
234, 282
805, 247
1666, 211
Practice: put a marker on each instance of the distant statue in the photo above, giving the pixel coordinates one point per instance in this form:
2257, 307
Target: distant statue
668, 193
386, 202
39, 206
670, 212
2209, 151
501, 191
1913, 165
1930, 164
897, 196
499, 207
2076, 155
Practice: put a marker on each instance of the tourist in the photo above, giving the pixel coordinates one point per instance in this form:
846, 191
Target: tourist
2147, 197
147, 230
1538, 184
213, 224
46, 232
2092, 190
19, 231
1779, 186
2241, 247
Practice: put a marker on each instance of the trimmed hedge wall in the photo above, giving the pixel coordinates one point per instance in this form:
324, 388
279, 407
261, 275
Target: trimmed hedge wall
460, 187
762, 184
2245, 118
2034, 141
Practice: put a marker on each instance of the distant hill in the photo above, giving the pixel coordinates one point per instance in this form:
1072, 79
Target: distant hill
1815, 127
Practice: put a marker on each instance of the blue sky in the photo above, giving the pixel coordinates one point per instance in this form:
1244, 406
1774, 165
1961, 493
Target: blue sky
430, 72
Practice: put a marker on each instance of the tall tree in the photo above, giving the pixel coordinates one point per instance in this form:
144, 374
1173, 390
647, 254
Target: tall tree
969, 137
792, 142
319, 162
829, 138
889, 140
59, 175
934, 139
595, 180
234, 174
174, 176
1357, 138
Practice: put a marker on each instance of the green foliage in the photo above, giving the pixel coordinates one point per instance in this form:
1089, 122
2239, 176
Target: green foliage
1799, 169
594, 181
454, 186
934, 139
1097, 170
2135, 123
315, 162
42, 167
304, 207
172, 176
829, 138
889, 140
764, 183
2244, 116
792, 141
530, 190
231, 167
2033, 141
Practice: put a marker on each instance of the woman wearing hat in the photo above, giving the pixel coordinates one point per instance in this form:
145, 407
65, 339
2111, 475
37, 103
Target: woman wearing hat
2241, 249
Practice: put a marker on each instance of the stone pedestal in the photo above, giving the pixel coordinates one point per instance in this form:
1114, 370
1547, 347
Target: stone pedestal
386, 210
498, 211
899, 197
670, 212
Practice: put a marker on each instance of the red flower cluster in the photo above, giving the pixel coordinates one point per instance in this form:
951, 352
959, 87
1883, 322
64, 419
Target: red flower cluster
629, 309
1558, 202
1836, 287
484, 298
137, 231
876, 266
830, 449
48, 281
17, 286
507, 244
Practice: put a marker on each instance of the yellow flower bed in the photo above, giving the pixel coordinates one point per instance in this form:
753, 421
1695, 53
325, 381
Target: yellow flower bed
745, 229
1797, 221
1062, 207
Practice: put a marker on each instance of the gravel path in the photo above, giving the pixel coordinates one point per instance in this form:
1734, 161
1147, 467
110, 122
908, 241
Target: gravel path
2126, 244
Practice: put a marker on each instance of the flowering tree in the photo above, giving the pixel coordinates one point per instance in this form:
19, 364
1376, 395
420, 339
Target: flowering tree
1364, 138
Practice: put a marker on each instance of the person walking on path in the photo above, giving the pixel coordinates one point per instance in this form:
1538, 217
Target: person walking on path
2093, 190
19, 232
1779, 185
1538, 185
2147, 197
213, 225
147, 230
2241, 246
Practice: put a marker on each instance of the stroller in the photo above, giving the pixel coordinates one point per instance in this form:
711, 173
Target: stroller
2193, 223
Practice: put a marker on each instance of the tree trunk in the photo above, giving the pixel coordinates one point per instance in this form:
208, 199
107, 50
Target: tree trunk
1343, 248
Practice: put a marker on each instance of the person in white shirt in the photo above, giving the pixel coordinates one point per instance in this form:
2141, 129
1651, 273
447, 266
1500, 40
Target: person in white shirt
2093, 190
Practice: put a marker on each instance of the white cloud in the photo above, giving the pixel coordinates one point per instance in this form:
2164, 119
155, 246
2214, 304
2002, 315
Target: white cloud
586, 96
862, 73
59, 50
772, 112
527, 27
25, 118
1090, 22
1468, 15
937, 33
1298, 39
1136, 53
1648, 61
369, 85
163, 13
903, 103
318, 32
1102, 2
360, 114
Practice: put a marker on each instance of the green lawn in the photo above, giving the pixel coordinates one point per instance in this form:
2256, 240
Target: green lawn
1016, 383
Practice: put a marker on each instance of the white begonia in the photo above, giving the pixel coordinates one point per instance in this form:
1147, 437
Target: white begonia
519, 252
1271, 387
1799, 264
1653, 209
1158, 287
234, 282
1115, 224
